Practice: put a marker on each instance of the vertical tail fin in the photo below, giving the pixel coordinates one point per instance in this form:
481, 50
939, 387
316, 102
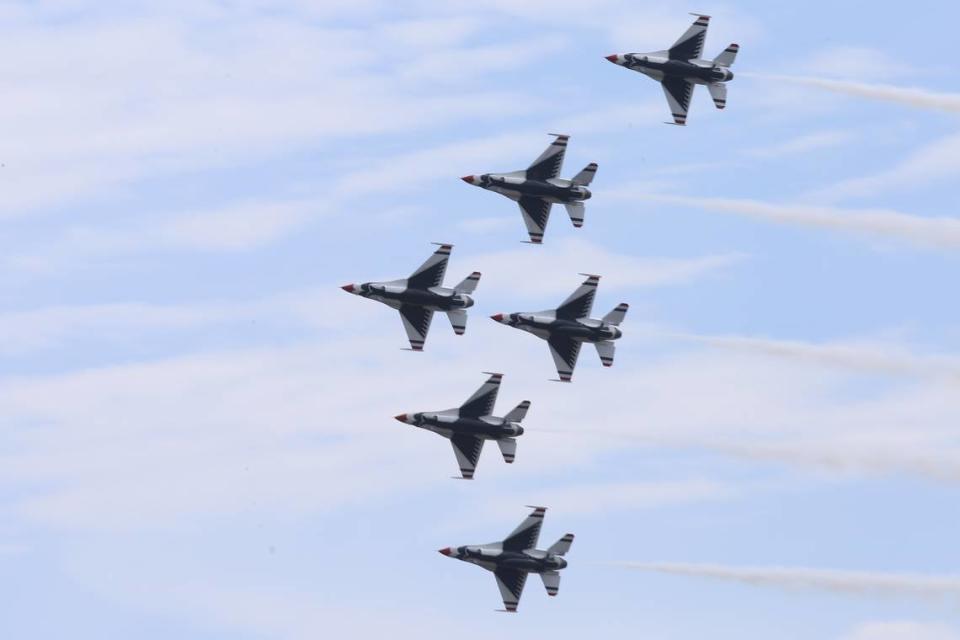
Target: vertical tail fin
518, 413
616, 316
468, 284
585, 177
561, 546
727, 56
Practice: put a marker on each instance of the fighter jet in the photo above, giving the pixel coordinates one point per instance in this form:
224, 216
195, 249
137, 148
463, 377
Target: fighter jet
417, 297
680, 67
515, 557
471, 423
569, 325
538, 187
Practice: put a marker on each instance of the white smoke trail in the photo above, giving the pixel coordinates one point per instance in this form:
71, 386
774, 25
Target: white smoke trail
910, 96
939, 232
875, 359
856, 582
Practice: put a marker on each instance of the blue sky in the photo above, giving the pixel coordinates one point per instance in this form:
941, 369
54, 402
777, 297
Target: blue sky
197, 438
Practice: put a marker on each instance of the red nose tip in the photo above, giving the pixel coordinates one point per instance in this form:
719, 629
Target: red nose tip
468, 179
447, 551
402, 417
348, 288
498, 317
612, 57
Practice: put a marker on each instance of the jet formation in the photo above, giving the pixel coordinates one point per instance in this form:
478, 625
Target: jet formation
538, 187
472, 423
570, 325
420, 295
679, 68
516, 556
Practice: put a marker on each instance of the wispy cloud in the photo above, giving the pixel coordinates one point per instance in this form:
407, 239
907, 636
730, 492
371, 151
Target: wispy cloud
855, 582
936, 232
902, 630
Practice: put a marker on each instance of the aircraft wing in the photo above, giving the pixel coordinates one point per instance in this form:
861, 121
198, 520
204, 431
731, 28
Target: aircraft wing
511, 584
467, 449
416, 321
535, 214
678, 92
430, 273
527, 534
580, 303
690, 44
550, 162
482, 402
565, 353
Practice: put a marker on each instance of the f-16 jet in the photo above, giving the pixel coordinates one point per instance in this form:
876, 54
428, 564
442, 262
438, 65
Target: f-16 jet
420, 295
538, 187
516, 556
570, 325
680, 67
473, 422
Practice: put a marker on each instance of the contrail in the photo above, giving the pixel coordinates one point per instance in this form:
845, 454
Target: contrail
856, 582
843, 456
864, 357
941, 232
910, 96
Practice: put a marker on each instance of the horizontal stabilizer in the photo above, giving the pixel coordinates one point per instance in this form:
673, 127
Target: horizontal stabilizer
551, 582
585, 177
719, 94
561, 546
606, 350
508, 447
518, 413
616, 316
727, 56
458, 320
469, 283
576, 212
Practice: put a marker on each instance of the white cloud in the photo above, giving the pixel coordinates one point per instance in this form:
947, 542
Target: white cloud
932, 163
803, 144
552, 268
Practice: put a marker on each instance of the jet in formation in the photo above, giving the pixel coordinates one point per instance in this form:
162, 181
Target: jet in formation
473, 422
538, 187
420, 295
680, 67
570, 325
516, 556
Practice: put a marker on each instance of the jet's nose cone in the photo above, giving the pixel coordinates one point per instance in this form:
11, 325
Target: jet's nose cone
612, 57
447, 551
402, 417
497, 316
469, 179
349, 288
